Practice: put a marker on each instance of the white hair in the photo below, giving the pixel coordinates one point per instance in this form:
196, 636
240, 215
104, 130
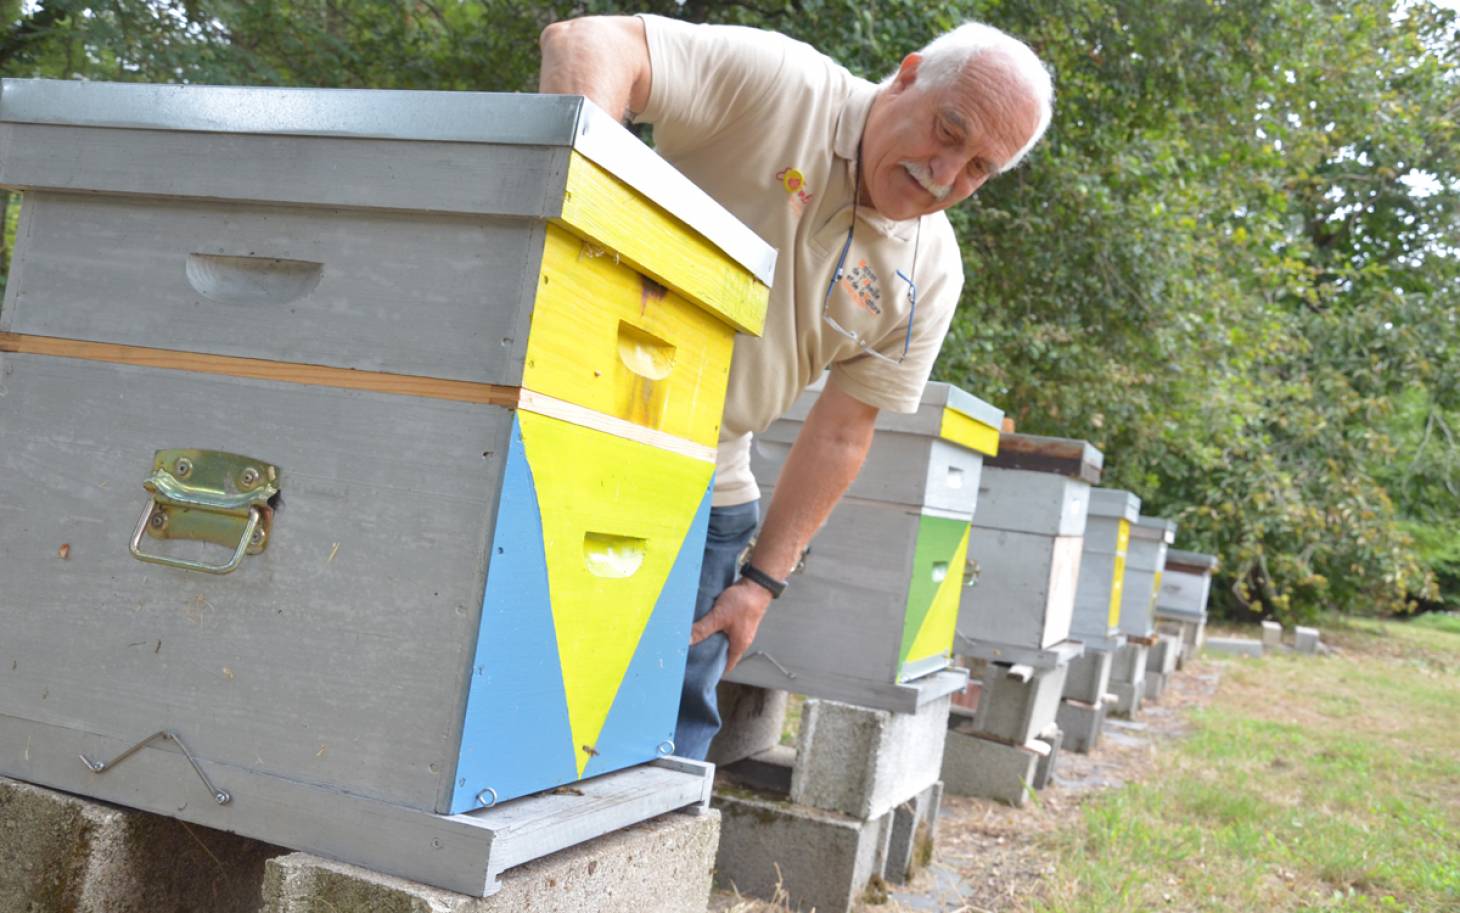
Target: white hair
945, 58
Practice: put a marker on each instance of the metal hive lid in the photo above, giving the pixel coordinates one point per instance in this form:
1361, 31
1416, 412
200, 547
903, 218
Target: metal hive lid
1195, 562
391, 114
1113, 502
1070, 457
1159, 528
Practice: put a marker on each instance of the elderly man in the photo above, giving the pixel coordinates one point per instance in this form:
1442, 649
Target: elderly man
848, 181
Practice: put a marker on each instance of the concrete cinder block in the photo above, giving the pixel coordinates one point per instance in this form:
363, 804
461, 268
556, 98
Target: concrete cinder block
1080, 723
63, 854
914, 835
1155, 686
992, 770
1128, 678
1128, 664
1234, 646
864, 762
1088, 677
1305, 639
662, 865
1044, 770
1128, 698
751, 720
1272, 634
1162, 655
1016, 708
814, 858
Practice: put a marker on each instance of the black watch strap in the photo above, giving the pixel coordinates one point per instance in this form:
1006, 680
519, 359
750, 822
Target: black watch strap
763, 580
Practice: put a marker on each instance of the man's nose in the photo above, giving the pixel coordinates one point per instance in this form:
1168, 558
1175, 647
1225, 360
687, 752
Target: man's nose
945, 168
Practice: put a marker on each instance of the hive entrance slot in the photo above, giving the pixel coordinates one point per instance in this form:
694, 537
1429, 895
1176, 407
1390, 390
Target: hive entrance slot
613, 557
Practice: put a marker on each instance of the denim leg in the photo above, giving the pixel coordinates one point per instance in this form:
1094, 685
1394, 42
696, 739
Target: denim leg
730, 530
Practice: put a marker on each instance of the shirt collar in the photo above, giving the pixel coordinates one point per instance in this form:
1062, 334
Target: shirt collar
850, 124
853, 119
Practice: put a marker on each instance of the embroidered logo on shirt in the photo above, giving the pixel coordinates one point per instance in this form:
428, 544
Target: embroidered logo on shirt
794, 183
861, 283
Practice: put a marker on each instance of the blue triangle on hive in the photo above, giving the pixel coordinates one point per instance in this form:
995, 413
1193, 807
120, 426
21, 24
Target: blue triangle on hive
515, 738
647, 703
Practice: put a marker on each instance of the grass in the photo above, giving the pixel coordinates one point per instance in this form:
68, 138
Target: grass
1307, 784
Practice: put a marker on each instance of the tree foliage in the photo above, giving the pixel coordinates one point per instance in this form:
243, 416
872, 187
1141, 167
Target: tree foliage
1234, 264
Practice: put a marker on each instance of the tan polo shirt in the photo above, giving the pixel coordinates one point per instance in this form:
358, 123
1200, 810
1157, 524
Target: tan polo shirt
769, 127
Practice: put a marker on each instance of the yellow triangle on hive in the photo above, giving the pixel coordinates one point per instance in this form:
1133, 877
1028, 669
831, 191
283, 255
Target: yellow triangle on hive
936, 634
614, 516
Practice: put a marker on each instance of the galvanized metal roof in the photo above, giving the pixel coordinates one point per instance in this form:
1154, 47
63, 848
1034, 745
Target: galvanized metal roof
458, 117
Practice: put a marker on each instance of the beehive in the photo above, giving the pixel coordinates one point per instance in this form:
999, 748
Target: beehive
1027, 539
1146, 558
876, 604
1099, 592
1185, 585
433, 379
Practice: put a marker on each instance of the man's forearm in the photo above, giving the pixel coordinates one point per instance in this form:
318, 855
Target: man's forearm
605, 58
822, 465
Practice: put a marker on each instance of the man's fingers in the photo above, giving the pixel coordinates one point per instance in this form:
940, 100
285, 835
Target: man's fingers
738, 646
712, 623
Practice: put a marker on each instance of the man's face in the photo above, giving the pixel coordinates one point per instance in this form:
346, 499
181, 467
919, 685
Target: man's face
925, 149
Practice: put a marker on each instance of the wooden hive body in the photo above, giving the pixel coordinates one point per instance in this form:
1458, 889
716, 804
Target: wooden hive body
1027, 539
487, 356
1185, 585
875, 607
1099, 591
1149, 537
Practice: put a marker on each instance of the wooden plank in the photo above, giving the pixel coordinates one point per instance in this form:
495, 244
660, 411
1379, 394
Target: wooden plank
436, 296
906, 697
535, 826
611, 340
599, 207
446, 177
259, 369
346, 379
462, 853
1071, 458
339, 655
1066, 651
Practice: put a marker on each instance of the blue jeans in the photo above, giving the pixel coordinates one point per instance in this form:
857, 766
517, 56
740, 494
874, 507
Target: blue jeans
730, 531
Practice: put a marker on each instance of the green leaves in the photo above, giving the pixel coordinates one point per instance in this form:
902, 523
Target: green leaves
1233, 264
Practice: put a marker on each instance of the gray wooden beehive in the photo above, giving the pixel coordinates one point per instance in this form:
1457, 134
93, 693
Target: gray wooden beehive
873, 612
1098, 594
475, 347
1146, 559
1185, 584
1026, 540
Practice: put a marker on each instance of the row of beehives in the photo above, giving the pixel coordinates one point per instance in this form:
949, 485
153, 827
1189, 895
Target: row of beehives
956, 538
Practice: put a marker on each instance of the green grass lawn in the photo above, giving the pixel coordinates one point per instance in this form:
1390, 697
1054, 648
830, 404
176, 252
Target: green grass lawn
1308, 783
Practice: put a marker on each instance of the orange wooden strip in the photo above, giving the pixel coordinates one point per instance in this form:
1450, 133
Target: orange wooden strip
260, 369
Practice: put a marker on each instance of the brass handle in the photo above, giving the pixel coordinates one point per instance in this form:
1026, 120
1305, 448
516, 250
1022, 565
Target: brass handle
208, 496
971, 570
148, 512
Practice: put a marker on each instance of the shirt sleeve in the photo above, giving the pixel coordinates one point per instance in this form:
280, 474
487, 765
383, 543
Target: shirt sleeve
706, 78
899, 388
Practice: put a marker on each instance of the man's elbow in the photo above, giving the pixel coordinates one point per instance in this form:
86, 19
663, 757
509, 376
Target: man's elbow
559, 34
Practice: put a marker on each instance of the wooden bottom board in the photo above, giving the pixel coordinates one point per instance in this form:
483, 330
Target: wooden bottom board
463, 853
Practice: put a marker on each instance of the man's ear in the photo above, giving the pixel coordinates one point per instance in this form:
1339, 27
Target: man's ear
907, 71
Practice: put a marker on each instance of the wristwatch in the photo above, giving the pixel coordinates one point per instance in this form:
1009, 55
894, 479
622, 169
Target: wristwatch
763, 580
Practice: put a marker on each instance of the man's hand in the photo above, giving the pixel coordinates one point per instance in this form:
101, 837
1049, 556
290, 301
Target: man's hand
737, 612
